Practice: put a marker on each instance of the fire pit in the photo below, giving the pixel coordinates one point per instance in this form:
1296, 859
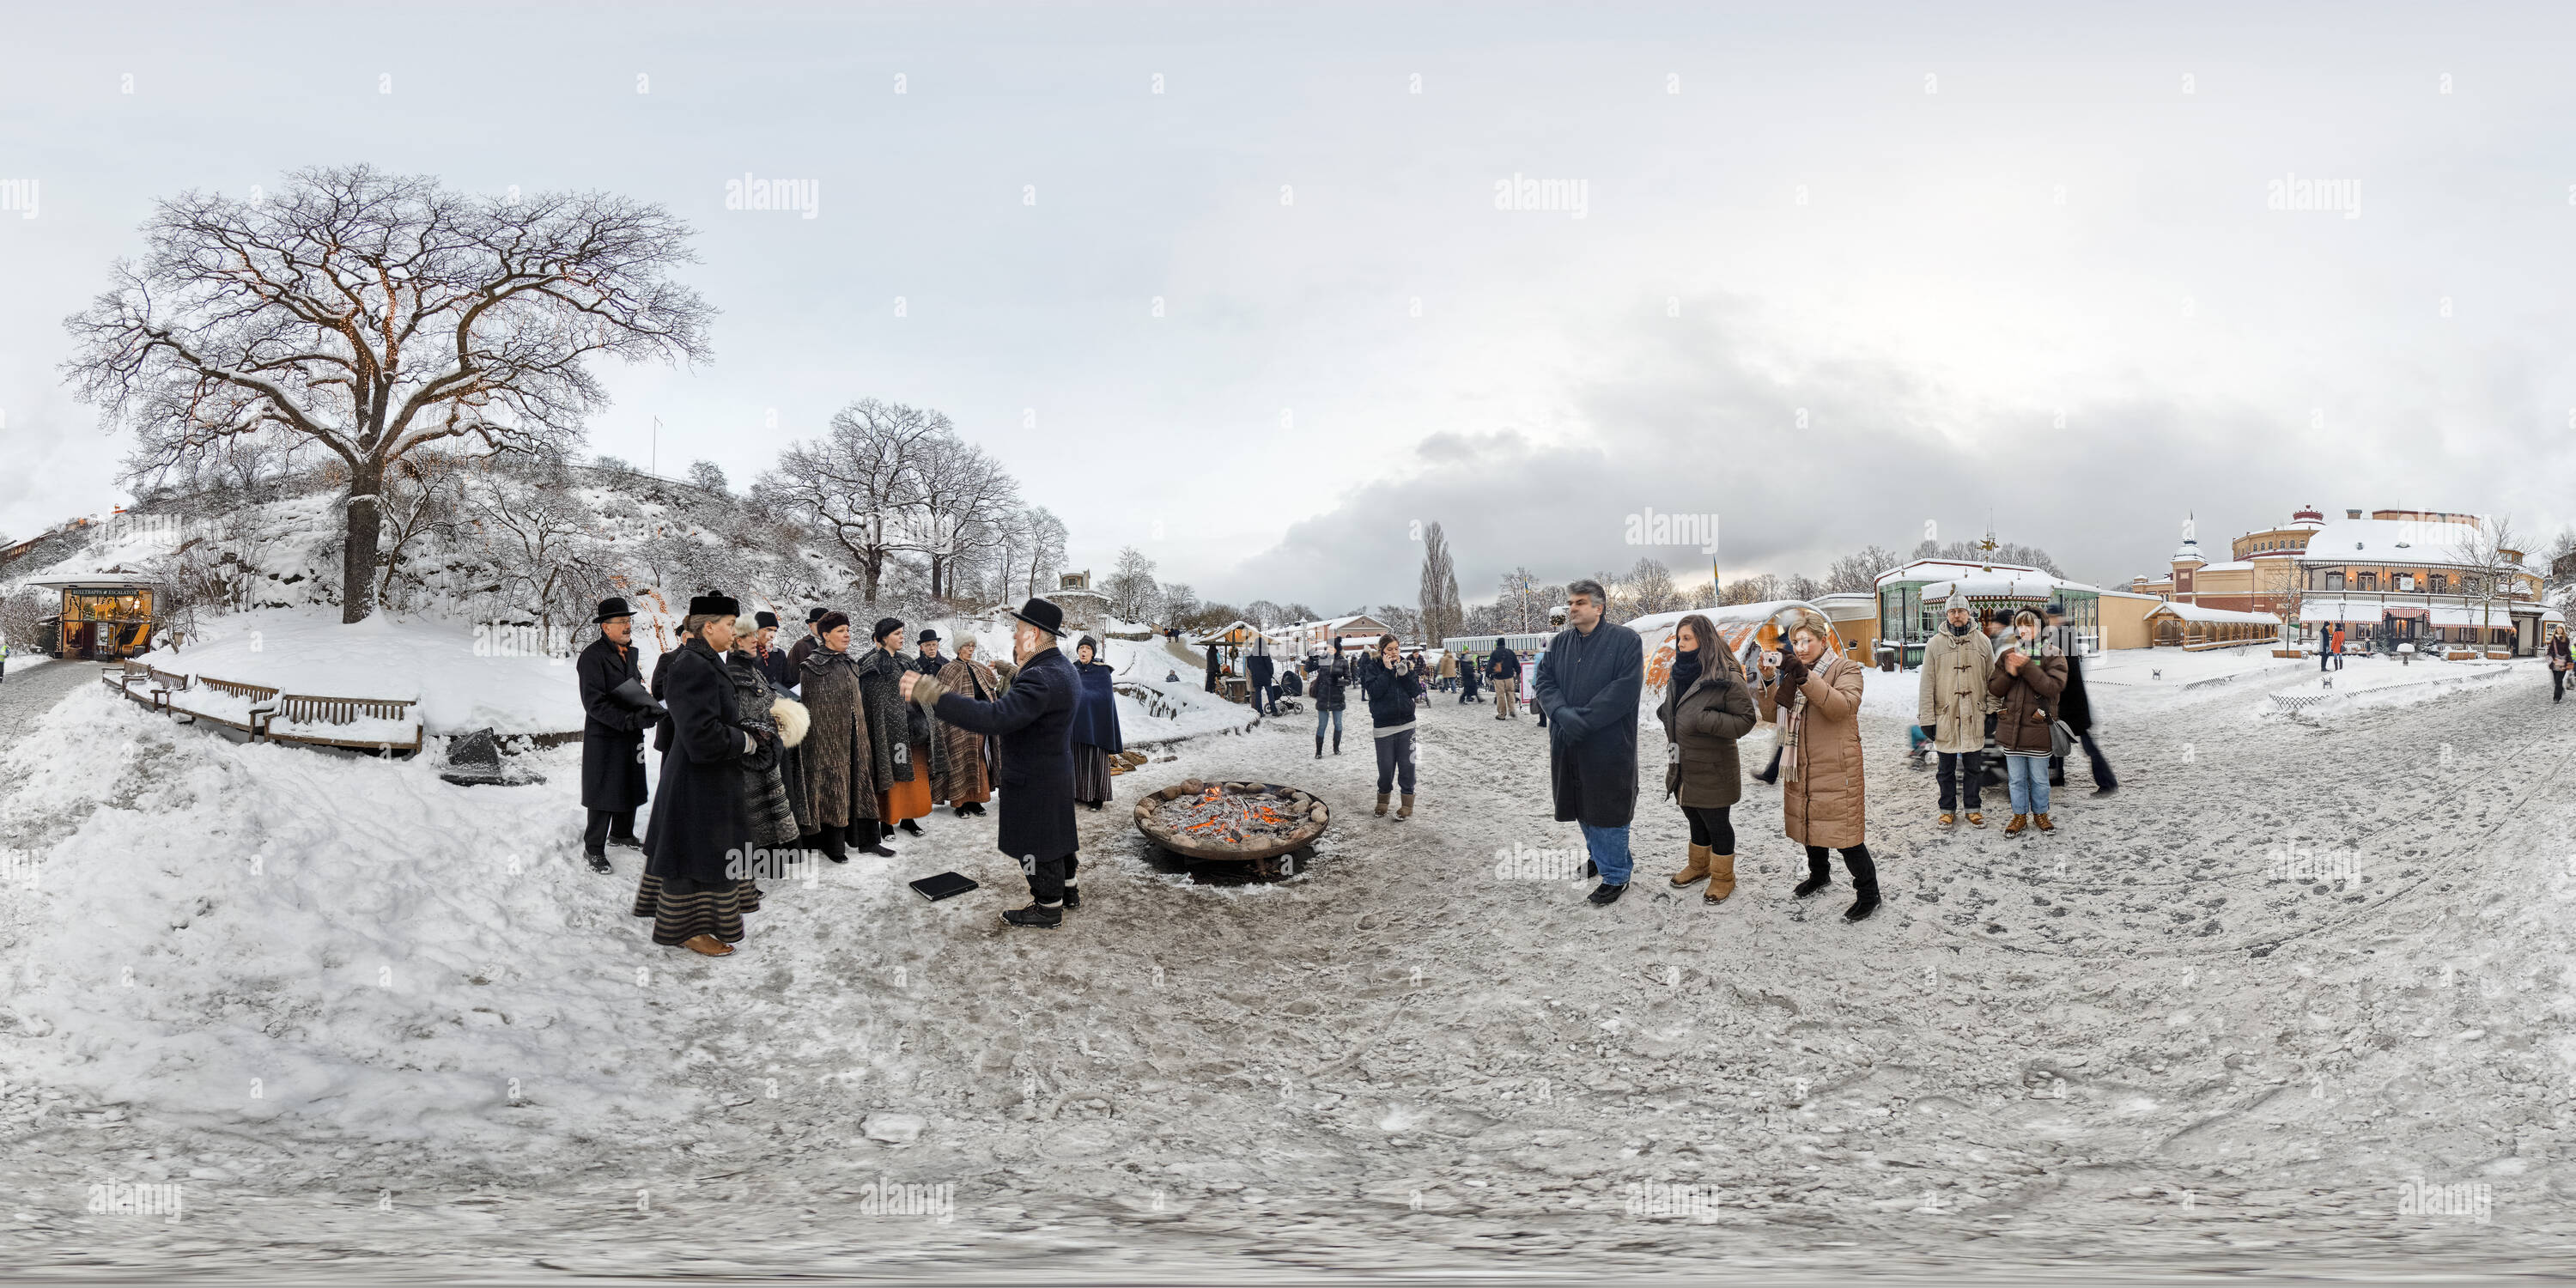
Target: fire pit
1233, 822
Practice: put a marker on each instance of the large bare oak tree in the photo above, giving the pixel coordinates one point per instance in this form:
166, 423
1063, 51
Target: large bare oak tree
373, 314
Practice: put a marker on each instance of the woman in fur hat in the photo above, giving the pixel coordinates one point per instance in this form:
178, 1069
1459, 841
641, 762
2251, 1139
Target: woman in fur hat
909, 758
1095, 726
2029, 674
1814, 695
695, 887
839, 796
1706, 708
968, 783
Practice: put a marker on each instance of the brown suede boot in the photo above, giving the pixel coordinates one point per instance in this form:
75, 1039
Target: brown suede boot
1721, 877
1381, 804
1697, 868
1405, 810
2041, 822
2019, 821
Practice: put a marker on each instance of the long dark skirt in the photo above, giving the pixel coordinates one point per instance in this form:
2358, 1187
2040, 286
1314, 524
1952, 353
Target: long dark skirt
1090, 774
705, 910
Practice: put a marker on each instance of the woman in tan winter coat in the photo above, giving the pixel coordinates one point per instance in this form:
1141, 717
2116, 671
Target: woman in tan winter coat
1814, 695
967, 784
1706, 708
2029, 674
840, 775
1957, 663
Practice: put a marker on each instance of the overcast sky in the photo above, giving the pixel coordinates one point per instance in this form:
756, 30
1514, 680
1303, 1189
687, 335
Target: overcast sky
1838, 273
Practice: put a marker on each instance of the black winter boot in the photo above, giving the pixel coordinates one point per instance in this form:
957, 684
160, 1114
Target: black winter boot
1864, 884
829, 842
910, 827
1818, 877
1319, 746
1072, 896
1036, 915
1337, 740
598, 861
1605, 894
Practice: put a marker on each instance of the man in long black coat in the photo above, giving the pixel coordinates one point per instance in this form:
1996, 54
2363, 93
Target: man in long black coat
1211, 687
1033, 723
612, 736
1589, 681
2076, 709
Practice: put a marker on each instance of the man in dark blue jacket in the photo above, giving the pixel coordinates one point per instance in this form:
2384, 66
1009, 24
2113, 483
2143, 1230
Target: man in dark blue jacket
1033, 721
1589, 681
1505, 667
1391, 683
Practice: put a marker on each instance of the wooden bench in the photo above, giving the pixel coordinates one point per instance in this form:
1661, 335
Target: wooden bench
122, 676
302, 711
161, 684
258, 702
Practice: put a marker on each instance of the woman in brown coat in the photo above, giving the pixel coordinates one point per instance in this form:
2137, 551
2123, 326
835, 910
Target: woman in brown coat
965, 783
1814, 694
1706, 708
839, 784
2029, 674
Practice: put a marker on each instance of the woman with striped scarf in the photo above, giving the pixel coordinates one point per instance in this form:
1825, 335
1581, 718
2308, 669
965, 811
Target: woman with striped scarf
1814, 695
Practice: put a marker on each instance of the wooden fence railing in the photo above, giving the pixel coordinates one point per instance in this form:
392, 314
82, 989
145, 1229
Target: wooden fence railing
303, 711
258, 700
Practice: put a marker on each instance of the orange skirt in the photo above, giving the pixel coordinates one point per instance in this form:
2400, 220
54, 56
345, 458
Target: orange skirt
908, 800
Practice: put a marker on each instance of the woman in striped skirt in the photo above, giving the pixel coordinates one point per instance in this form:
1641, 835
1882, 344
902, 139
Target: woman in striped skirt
697, 880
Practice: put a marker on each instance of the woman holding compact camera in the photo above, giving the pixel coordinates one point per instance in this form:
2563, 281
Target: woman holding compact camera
1814, 695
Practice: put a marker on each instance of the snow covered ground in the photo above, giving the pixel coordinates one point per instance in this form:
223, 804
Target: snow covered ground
2227, 1019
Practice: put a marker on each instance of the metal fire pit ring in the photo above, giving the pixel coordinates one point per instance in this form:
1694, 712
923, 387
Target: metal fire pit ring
1149, 821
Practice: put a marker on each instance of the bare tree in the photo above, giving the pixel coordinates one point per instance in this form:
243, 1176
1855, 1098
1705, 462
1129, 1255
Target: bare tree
1046, 536
1859, 570
1179, 601
857, 483
1131, 588
374, 314
2490, 552
540, 536
1759, 588
1264, 614
1648, 588
958, 492
1437, 588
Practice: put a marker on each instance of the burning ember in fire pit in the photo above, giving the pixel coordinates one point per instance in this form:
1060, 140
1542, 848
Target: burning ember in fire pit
1242, 822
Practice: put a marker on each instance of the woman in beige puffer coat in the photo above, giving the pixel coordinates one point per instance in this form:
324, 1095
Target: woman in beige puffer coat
1814, 695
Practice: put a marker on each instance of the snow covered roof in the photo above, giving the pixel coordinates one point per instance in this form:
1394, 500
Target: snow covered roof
1933, 569
1999, 584
2233, 565
2123, 594
2388, 541
2213, 616
80, 579
2189, 549
2319, 608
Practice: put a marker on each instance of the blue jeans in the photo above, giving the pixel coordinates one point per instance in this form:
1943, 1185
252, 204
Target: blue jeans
2028, 778
1609, 847
1335, 716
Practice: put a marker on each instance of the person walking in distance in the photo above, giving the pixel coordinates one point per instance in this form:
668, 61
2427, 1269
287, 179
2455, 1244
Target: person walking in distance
1952, 708
612, 735
1706, 708
2075, 708
2028, 679
2562, 659
1505, 667
1391, 682
1033, 723
1331, 679
1590, 679
1469, 668
1814, 694
1257, 664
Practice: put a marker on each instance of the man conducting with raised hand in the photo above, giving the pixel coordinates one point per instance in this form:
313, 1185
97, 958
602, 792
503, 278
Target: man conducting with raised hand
1033, 721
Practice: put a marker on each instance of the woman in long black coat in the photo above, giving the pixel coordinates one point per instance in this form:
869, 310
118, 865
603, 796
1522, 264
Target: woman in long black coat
1095, 726
701, 835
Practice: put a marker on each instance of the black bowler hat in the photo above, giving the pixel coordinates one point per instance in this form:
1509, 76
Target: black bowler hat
610, 609
815, 614
929, 636
1043, 615
714, 606
764, 621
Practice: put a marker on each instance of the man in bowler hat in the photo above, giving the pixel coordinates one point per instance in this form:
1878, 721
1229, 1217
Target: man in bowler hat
1033, 721
612, 735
